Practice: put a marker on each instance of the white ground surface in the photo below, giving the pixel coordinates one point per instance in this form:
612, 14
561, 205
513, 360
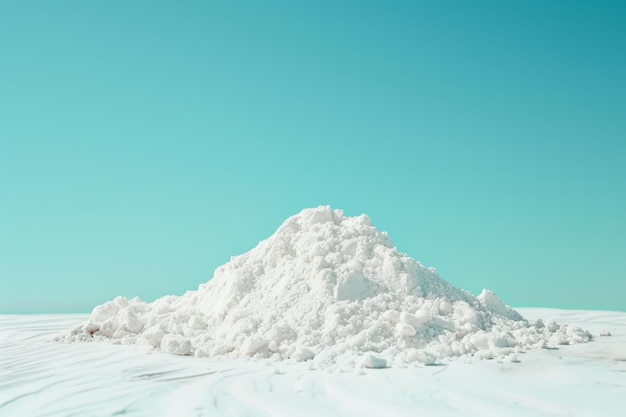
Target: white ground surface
39, 378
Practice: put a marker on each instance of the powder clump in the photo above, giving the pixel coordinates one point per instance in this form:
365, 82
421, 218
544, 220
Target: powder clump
331, 289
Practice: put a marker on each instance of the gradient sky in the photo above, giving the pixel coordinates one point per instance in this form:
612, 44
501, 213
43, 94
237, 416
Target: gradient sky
142, 143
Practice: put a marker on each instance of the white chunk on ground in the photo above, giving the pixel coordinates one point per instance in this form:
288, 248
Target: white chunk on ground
373, 361
252, 345
302, 354
176, 344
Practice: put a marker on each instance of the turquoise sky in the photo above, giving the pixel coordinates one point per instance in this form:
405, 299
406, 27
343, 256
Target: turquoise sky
142, 143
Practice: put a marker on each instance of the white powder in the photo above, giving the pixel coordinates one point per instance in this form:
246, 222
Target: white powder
331, 289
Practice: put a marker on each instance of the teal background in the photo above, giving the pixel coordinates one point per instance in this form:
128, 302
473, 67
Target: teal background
142, 143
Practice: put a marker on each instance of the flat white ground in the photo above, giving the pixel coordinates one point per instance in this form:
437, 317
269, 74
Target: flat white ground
39, 378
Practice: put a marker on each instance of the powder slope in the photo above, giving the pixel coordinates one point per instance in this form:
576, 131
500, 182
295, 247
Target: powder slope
328, 288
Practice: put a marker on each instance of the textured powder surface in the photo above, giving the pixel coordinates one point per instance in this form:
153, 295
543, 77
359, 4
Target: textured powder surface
330, 289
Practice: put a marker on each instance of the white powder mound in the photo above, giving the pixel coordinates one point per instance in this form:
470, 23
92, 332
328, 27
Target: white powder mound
330, 289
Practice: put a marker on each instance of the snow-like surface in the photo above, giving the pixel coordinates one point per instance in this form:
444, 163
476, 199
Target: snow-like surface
42, 378
325, 317
330, 289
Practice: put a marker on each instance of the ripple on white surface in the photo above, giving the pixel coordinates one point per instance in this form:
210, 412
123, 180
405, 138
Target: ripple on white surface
39, 378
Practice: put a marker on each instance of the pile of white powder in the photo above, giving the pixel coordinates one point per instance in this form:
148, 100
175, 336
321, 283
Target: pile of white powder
330, 289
